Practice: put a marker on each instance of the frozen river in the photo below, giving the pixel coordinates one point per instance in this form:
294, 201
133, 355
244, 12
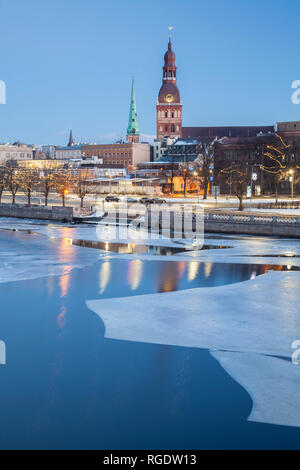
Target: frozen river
142, 351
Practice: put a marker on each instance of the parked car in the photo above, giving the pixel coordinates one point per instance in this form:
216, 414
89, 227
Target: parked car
112, 199
157, 200
130, 199
145, 200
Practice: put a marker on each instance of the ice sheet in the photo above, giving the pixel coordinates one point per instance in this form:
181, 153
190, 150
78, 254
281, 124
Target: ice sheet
25, 256
256, 318
272, 383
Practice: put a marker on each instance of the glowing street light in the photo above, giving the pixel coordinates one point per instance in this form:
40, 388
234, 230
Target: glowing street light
291, 178
253, 178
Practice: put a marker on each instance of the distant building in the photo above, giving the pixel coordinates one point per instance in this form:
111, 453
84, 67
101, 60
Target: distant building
49, 151
224, 131
15, 152
160, 146
38, 154
125, 154
289, 129
181, 151
48, 164
66, 153
106, 171
159, 171
253, 153
248, 151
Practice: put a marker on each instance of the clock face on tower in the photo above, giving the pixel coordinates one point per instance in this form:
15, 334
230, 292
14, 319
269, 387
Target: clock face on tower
169, 98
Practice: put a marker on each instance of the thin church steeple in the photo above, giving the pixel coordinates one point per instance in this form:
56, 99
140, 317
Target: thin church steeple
71, 141
133, 133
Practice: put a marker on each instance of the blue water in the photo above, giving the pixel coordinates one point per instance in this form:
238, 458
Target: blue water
66, 387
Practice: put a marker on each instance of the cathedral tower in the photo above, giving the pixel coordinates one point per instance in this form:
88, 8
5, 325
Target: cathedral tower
169, 107
133, 134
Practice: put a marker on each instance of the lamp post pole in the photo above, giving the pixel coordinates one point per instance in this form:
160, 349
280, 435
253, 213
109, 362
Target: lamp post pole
291, 172
253, 178
197, 179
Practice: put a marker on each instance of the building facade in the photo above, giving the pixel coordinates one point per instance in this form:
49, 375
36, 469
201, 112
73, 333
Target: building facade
126, 154
65, 153
272, 156
289, 130
160, 146
49, 150
15, 152
169, 107
224, 131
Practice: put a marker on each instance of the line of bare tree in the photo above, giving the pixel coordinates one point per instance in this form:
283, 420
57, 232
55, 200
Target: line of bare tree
29, 180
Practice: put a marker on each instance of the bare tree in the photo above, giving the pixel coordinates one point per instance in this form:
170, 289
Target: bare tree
12, 181
238, 175
81, 185
172, 175
279, 163
3, 179
184, 172
62, 183
205, 162
28, 180
46, 184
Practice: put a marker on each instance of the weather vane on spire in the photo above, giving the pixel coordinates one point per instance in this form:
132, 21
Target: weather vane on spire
170, 29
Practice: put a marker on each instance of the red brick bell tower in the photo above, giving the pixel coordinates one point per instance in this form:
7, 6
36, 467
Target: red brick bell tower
169, 107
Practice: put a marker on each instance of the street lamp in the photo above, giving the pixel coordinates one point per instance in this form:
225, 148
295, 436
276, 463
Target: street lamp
291, 178
195, 173
184, 181
134, 169
253, 178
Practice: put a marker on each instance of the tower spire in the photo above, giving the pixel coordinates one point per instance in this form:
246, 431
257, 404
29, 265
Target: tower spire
169, 107
71, 141
133, 134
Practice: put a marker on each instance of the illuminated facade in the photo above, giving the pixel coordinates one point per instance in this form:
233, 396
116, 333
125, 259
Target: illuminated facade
169, 107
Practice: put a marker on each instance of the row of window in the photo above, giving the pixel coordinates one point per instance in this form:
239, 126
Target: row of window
111, 155
68, 154
170, 128
240, 154
169, 114
20, 155
169, 73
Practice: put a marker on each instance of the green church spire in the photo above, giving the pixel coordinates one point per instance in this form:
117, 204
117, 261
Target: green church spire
133, 127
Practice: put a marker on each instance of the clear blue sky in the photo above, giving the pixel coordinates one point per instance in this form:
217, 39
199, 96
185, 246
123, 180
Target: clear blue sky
68, 64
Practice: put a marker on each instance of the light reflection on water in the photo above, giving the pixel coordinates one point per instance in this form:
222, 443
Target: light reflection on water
121, 277
64, 282
104, 275
193, 269
76, 389
135, 273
